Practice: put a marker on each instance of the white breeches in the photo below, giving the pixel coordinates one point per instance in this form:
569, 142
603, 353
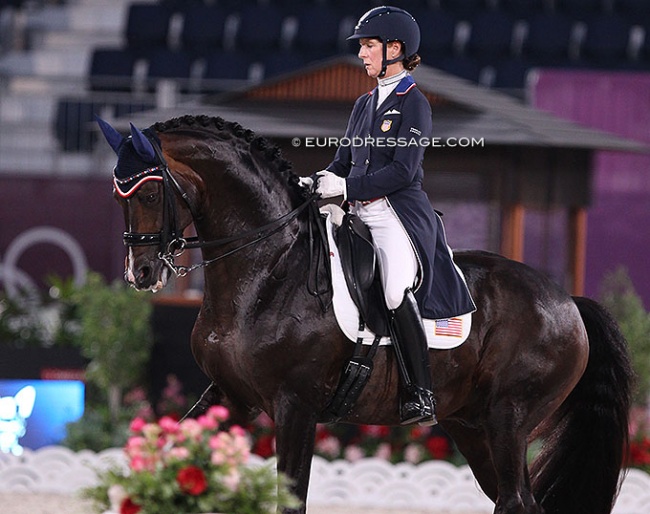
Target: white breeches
397, 260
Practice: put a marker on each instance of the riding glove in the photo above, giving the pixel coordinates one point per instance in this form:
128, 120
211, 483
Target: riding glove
329, 185
306, 182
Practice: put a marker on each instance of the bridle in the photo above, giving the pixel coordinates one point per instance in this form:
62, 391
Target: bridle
170, 240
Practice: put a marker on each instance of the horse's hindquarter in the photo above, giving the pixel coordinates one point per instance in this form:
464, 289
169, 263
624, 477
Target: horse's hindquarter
528, 343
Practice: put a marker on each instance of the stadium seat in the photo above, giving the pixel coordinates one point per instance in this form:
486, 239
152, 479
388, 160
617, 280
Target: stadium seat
260, 30
438, 32
548, 40
607, 40
279, 63
111, 69
203, 29
318, 32
147, 28
223, 69
169, 64
579, 9
637, 11
491, 36
524, 9
461, 66
511, 73
464, 9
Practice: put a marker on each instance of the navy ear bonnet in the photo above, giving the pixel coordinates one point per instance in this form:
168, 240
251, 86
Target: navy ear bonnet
137, 159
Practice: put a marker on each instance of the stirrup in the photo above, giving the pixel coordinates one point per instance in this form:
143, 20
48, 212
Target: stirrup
420, 408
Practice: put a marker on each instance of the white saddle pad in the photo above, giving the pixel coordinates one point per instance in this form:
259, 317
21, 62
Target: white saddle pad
442, 334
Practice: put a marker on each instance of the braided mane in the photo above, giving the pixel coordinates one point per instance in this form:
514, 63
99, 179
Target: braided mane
215, 125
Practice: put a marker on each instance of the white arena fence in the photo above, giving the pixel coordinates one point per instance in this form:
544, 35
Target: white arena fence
367, 483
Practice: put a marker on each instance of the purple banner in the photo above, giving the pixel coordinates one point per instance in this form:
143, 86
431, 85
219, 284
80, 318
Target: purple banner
58, 226
619, 217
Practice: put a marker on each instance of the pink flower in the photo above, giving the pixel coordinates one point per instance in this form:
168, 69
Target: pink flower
329, 446
218, 412
179, 453
413, 453
168, 425
383, 451
137, 424
232, 479
208, 422
191, 429
353, 453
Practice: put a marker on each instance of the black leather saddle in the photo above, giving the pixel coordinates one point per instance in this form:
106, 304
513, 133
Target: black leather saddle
362, 274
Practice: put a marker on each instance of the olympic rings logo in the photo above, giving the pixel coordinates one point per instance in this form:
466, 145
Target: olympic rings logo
15, 280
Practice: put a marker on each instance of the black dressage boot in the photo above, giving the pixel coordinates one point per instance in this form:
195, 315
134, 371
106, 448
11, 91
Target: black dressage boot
417, 404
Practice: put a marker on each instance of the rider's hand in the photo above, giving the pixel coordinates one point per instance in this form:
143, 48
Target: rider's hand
306, 182
328, 185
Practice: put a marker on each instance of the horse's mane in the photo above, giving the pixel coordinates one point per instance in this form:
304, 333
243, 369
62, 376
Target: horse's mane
217, 126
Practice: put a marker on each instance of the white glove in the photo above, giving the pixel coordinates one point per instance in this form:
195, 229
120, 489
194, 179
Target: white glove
329, 185
306, 182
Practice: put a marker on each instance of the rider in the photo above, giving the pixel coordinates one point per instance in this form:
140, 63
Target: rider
383, 185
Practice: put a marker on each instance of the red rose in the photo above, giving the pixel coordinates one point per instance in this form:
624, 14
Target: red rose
128, 507
438, 447
264, 446
192, 480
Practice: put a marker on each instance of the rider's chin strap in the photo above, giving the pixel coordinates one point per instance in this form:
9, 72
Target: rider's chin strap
385, 62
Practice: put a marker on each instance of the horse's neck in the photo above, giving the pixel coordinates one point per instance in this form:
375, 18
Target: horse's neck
239, 279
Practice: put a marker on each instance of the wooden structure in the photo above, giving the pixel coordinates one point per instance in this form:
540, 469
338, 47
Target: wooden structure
526, 160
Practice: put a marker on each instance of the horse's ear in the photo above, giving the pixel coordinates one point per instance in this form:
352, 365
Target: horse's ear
113, 137
142, 145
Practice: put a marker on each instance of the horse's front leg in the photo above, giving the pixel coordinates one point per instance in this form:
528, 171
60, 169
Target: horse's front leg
295, 430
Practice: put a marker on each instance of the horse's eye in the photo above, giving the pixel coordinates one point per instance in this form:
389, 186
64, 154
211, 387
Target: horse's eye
150, 198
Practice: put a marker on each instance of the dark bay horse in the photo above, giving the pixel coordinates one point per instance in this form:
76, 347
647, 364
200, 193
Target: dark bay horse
538, 363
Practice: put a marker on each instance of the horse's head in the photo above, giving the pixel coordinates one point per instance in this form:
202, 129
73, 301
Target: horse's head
154, 215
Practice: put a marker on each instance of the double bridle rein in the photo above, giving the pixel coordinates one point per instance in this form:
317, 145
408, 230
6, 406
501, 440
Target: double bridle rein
170, 239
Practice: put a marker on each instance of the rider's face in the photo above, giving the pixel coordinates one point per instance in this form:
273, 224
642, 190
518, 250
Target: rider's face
371, 55
370, 52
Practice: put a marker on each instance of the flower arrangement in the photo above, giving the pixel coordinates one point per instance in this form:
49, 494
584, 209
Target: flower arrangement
413, 444
190, 467
639, 456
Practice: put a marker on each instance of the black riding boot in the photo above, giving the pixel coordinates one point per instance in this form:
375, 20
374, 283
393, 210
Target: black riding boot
417, 403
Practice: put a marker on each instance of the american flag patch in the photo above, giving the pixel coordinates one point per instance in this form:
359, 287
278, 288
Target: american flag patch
452, 327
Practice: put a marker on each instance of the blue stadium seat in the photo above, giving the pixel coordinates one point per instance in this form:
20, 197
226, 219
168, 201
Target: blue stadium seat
491, 36
524, 9
461, 66
147, 28
548, 39
279, 63
111, 69
511, 73
260, 29
438, 30
637, 11
203, 29
223, 69
169, 64
579, 9
318, 32
607, 41
464, 9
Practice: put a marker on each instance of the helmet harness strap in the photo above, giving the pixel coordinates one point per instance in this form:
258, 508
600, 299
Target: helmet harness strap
385, 62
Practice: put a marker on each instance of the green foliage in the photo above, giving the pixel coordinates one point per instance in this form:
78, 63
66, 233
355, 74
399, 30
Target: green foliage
115, 332
42, 319
619, 296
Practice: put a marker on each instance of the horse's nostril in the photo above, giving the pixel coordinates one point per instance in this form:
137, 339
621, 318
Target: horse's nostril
144, 274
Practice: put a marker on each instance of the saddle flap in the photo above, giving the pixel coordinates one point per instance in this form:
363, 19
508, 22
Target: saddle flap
359, 264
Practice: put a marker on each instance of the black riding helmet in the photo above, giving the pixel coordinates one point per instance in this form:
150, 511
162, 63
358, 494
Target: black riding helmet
388, 24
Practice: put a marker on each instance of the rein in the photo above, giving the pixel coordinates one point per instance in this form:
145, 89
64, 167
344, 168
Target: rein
172, 244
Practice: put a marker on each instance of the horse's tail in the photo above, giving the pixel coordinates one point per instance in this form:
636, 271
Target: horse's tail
578, 470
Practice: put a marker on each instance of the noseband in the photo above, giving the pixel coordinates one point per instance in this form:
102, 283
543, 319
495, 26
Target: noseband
170, 240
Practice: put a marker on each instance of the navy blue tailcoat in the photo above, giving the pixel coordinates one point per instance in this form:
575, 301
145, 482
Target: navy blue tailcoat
382, 156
